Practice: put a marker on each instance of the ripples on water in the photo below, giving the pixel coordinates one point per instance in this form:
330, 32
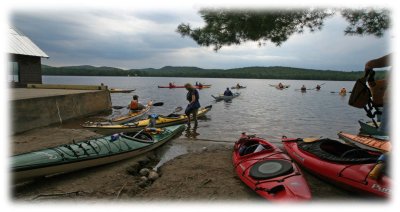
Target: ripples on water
260, 109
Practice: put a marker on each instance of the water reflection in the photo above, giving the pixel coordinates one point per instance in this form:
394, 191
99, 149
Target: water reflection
260, 109
191, 133
170, 152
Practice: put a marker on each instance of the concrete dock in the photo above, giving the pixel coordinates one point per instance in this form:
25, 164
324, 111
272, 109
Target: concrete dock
37, 107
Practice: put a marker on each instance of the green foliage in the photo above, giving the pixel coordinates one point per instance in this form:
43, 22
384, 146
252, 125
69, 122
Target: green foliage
225, 27
275, 72
367, 21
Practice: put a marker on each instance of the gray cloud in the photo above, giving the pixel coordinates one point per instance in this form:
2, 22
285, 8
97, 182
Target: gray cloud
141, 39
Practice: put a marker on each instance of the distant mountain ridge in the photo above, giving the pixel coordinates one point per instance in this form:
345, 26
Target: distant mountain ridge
256, 72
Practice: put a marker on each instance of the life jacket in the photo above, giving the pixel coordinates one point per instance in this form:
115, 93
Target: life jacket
134, 105
192, 92
360, 94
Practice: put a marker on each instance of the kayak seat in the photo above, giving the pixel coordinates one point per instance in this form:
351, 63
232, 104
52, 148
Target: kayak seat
144, 137
336, 151
268, 169
250, 149
250, 146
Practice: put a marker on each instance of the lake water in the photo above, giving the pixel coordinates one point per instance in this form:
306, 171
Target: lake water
260, 109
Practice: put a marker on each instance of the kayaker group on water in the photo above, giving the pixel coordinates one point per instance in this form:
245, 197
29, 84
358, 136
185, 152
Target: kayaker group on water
359, 162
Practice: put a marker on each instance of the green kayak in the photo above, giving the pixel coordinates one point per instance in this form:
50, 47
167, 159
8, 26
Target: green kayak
89, 153
368, 128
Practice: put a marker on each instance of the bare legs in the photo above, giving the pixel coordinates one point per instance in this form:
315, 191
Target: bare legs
192, 116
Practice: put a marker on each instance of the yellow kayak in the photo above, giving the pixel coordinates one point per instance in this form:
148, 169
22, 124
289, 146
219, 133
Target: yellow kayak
131, 116
107, 128
117, 90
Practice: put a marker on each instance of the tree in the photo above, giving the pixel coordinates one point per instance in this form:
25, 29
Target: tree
365, 22
224, 27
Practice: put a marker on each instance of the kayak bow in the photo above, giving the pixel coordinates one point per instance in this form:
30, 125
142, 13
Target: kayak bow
269, 171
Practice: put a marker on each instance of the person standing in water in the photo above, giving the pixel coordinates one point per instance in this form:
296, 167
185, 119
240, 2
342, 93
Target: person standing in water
192, 97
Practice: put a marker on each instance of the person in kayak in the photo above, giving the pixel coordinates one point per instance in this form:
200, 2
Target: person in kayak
192, 97
171, 85
303, 88
135, 104
280, 85
228, 92
343, 91
238, 85
318, 87
377, 86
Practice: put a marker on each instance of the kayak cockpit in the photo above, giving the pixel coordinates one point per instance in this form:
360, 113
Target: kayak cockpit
336, 151
142, 137
253, 146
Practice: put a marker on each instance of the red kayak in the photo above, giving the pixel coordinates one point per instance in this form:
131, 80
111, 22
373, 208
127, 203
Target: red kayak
182, 86
344, 165
268, 171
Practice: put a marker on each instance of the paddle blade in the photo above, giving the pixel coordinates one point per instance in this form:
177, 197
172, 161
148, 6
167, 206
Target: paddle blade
118, 107
309, 140
158, 104
178, 109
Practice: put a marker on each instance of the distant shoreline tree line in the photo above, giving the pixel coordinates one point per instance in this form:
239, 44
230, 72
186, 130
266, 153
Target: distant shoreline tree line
273, 72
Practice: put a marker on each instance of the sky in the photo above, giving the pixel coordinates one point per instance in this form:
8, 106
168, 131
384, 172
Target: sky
148, 39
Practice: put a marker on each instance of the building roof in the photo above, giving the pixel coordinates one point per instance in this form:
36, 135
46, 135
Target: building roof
21, 44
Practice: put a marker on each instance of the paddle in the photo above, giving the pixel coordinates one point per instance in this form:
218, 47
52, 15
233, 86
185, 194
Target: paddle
319, 87
309, 140
155, 105
177, 109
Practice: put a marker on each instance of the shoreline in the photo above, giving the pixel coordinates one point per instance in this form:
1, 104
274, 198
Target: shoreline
189, 169
197, 77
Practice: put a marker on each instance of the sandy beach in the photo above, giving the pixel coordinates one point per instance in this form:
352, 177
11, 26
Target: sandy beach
200, 170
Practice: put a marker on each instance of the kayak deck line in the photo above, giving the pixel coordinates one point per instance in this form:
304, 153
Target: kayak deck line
90, 153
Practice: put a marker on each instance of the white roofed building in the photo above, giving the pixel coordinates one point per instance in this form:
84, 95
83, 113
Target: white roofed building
25, 59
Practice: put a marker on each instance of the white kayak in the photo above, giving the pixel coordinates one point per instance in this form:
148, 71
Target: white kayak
225, 98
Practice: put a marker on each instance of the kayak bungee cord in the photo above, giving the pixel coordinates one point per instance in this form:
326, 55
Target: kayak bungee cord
89, 144
365, 181
105, 145
129, 148
84, 150
109, 144
72, 150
